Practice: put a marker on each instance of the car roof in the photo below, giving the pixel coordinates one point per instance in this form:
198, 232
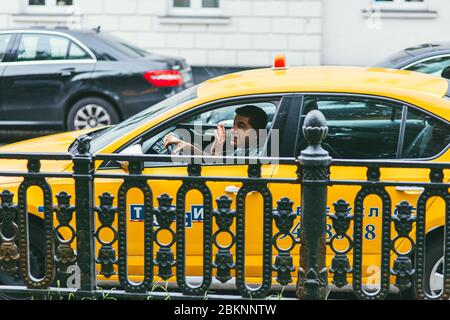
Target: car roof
319, 79
408, 86
56, 29
428, 48
411, 55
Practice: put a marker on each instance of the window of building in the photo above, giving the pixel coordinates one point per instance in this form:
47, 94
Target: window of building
195, 7
401, 4
48, 6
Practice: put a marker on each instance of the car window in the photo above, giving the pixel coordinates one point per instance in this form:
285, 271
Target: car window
199, 130
4, 40
425, 136
115, 132
38, 47
393, 60
432, 66
359, 128
122, 46
226, 115
76, 52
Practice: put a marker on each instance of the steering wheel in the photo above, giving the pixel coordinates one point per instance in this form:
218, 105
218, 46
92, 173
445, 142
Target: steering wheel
170, 149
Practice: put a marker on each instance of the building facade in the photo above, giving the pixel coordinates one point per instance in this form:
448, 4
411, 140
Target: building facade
364, 32
249, 33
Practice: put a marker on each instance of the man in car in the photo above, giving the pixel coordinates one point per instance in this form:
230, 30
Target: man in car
244, 141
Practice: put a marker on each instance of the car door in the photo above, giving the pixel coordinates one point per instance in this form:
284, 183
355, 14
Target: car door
6, 43
201, 122
360, 127
45, 68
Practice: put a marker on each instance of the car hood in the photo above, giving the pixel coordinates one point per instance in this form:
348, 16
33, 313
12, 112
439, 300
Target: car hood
58, 143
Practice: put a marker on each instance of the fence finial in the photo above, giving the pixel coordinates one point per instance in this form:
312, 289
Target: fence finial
315, 128
84, 144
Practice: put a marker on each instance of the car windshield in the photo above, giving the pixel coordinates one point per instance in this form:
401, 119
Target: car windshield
107, 136
394, 60
123, 46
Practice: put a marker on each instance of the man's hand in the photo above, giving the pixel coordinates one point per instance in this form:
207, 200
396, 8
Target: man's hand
219, 140
171, 139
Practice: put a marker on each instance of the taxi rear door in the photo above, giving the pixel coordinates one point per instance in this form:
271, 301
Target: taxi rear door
360, 127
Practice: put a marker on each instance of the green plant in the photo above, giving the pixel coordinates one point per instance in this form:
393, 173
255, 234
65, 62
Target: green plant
278, 295
156, 286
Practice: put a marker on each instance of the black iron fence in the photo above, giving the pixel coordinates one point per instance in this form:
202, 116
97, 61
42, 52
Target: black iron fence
80, 254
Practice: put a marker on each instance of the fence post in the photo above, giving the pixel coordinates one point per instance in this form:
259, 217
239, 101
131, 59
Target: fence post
313, 172
83, 170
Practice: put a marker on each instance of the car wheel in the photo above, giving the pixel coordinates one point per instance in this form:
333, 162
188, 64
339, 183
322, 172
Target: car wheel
91, 113
434, 269
36, 264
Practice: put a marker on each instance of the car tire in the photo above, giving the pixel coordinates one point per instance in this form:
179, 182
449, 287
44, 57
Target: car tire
433, 268
37, 255
434, 265
91, 112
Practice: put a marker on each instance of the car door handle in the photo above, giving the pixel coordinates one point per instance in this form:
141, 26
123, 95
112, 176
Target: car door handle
410, 190
67, 71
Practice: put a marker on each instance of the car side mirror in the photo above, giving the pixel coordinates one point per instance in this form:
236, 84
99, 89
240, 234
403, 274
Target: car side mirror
446, 73
134, 150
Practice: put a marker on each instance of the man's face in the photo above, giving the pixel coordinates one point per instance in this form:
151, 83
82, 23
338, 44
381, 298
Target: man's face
242, 131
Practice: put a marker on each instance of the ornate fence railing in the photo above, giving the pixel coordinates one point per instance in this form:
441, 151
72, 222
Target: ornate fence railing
80, 254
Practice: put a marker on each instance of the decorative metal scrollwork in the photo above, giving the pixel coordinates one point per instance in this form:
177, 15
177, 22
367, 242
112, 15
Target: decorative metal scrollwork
254, 171
436, 176
340, 265
165, 215
9, 251
224, 216
403, 267
106, 213
284, 220
130, 183
194, 170
49, 244
372, 173
65, 255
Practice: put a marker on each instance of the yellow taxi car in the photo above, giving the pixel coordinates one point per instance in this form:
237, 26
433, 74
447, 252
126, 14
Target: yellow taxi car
372, 113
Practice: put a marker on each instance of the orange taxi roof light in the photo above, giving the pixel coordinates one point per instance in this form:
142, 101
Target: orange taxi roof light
280, 62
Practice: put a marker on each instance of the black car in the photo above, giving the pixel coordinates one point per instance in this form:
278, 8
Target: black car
70, 79
431, 58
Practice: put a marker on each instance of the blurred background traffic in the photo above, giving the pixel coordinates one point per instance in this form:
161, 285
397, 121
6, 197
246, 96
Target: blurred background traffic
72, 64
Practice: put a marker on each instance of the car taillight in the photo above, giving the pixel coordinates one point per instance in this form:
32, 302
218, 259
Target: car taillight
164, 78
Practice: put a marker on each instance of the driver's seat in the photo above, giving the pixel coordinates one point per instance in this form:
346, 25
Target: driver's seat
418, 147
